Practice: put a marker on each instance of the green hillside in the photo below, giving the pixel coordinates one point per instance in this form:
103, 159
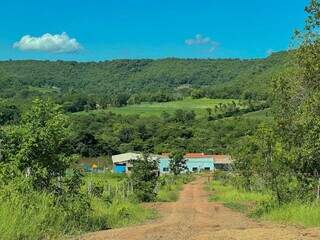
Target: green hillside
104, 82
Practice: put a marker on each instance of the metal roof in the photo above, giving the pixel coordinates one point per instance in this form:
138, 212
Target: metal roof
222, 159
126, 157
197, 155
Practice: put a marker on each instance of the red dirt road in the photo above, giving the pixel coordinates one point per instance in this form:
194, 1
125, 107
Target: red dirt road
193, 217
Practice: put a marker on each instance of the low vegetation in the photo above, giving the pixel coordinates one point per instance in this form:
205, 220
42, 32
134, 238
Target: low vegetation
199, 106
282, 157
298, 213
262, 205
170, 186
230, 195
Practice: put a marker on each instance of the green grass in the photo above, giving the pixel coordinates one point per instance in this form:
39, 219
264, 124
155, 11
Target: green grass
35, 216
170, 186
104, 178
241, 200
304, 214
255, 204
121, 212
169, 193
261, 115
156, 109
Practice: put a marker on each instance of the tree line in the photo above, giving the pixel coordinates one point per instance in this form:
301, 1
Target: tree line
92, 85
283, 155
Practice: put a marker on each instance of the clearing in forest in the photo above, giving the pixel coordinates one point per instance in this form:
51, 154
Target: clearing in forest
199, 106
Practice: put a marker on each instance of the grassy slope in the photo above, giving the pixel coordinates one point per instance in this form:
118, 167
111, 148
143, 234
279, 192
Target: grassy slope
303, 214
262, 115
156, 109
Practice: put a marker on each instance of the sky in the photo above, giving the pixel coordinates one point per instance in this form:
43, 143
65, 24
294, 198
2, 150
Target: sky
98, 30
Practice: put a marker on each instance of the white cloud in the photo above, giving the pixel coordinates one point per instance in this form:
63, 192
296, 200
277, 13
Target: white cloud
202, 40
58, 43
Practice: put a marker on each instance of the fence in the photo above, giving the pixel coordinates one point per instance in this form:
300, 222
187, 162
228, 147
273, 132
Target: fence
123, 189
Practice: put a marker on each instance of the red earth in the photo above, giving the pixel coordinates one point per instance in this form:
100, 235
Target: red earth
194, 217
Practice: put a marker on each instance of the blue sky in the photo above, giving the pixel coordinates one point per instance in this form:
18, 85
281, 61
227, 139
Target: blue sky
94, 30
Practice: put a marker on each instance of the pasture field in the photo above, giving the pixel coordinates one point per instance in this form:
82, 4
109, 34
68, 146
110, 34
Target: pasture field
199, 106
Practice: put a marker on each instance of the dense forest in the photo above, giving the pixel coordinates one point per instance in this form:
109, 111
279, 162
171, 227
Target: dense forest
121, 82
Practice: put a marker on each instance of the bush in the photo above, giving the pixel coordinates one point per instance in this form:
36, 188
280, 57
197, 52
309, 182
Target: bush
144, 177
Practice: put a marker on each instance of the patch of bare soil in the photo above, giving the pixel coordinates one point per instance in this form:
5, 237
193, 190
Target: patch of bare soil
193, 217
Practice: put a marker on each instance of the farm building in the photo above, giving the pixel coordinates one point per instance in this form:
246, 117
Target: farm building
222, 162
196, 162
122, 163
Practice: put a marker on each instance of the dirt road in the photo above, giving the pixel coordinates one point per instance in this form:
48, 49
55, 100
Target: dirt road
193, 217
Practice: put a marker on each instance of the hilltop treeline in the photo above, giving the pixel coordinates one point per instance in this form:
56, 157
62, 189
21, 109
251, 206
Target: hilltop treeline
119, 82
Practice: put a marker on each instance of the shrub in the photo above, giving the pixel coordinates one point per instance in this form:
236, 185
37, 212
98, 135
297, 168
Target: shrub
144, 176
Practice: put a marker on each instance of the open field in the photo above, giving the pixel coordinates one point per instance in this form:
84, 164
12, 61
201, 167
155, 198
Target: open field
199, 106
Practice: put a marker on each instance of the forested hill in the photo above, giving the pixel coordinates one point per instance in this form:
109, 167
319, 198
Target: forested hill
223, 78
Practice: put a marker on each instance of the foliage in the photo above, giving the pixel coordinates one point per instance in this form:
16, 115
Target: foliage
104, 133
93, 85
9, 113
34, 177
35, 147
144, 176
177, 163
258, 204
285, 154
